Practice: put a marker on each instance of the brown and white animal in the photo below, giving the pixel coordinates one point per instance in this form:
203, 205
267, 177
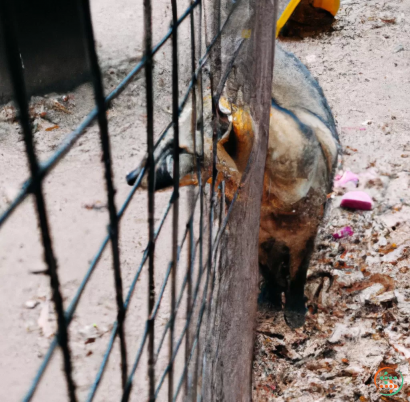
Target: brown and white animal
301, 161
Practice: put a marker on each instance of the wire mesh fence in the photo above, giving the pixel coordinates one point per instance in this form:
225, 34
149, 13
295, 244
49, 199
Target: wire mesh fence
207, 217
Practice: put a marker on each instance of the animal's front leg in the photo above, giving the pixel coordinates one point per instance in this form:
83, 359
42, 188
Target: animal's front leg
274, 268
295, 307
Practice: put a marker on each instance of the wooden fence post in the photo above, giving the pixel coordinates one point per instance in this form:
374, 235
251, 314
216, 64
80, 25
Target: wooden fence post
229, 350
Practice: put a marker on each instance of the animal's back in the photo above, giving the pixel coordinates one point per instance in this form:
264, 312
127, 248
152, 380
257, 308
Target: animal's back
295, 88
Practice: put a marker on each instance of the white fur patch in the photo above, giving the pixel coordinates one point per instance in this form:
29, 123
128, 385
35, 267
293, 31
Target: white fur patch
323, 134
170, 164
288, 148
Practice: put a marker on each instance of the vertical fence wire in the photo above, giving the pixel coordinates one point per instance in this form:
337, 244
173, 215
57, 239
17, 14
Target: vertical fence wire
191, 251
105, 144
151, 195
199, 162
175, 215
17, 80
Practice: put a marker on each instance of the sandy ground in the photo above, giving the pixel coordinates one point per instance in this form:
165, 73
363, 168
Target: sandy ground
359, 308
363, 69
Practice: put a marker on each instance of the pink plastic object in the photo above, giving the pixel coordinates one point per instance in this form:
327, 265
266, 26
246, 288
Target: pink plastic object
357, 200
346, 231
347, 176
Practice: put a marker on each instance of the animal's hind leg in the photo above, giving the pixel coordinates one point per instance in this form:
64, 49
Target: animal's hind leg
295, 308
274, 268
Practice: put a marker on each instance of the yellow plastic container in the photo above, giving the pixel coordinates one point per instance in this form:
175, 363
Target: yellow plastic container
329, 5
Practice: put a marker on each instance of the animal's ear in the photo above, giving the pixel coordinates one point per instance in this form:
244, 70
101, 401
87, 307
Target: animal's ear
238, 143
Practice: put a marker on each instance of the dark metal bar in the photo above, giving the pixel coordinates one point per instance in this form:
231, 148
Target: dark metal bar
17, 79
175, 122
113, 229
151, 198
191, 260
72, 138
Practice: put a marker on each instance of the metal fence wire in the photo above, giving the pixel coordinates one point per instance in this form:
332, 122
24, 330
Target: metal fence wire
202, 241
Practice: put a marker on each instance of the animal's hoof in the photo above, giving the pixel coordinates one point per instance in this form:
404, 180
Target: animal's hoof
295, 319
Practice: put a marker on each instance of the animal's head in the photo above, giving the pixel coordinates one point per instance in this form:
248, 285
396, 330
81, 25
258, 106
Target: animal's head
233, 147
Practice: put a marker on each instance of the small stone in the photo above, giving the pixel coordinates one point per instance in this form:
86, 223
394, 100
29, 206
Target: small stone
354, 370
382, 241
398, 49
30, 304
311, 58
353, 306
90, 333
339, 331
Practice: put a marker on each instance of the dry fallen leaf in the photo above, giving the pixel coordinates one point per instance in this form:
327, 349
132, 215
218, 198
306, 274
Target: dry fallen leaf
389, 20
97, 205
52, 128
59, 106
